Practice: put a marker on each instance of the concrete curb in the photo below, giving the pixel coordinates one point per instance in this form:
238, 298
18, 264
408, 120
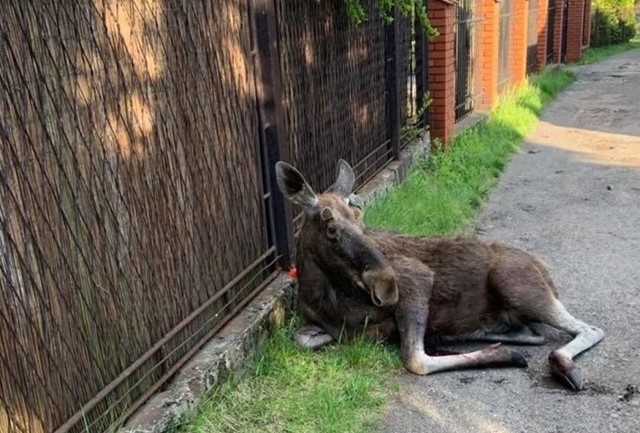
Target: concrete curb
396, 172
234, 348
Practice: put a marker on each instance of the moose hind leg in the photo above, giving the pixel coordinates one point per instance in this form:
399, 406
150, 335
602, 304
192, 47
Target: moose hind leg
517, 335
411, 316
412, 326
495, 355
585, 337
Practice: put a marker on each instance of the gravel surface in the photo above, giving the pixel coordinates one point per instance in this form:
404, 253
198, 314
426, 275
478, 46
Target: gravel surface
572, 197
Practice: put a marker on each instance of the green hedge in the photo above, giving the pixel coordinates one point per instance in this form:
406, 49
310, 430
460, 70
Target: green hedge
614, 22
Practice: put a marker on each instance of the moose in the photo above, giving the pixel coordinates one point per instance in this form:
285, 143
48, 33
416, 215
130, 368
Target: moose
421, 290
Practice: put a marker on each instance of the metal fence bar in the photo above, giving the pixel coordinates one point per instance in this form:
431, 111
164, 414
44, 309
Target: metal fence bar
464, 46
270, 96
565, 27
422, 71
73, 420
393, 81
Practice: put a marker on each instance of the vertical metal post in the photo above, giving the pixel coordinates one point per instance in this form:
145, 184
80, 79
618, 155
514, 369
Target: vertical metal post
271, 120
565, 27
393, 80
422, 72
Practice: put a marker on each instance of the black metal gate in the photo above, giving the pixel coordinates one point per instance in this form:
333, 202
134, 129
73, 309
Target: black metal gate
532, 37
504, 69
551, 29
464, 59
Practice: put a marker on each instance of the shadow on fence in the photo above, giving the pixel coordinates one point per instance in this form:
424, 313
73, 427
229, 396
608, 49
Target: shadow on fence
135, 212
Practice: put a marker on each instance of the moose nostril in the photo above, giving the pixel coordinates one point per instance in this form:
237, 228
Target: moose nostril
376, 300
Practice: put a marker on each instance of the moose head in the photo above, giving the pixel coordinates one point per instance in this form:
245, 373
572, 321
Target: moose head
334, 237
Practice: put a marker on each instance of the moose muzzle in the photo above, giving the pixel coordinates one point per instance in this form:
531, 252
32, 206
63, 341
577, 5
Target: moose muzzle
381, 284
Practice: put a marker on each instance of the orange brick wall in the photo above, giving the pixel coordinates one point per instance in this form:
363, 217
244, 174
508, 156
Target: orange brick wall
441, 49
441, 70
586, 38
557, 42
575, 11
488, 11
518, 55
543, 15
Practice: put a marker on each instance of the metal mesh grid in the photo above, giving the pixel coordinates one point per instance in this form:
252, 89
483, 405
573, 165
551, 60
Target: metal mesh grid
334, 89
412, 73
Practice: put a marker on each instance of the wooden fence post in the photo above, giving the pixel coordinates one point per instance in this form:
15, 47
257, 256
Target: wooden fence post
271, 119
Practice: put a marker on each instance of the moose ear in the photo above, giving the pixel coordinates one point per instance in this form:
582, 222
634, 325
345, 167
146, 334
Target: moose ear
345, 181
295, 188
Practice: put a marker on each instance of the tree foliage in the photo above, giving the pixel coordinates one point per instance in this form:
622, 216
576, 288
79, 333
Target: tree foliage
357, 12
614, 22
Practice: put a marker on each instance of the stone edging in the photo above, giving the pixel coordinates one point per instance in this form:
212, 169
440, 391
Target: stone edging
233, 349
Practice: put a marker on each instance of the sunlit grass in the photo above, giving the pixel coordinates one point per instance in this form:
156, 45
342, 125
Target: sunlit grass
337, 389
592, 55
443, 193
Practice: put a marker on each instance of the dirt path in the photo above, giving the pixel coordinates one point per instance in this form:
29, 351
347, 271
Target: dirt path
571, 196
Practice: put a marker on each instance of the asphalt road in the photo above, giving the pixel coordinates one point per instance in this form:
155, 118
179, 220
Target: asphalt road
572, 197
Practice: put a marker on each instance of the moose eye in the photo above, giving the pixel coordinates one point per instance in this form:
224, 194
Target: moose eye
332, 232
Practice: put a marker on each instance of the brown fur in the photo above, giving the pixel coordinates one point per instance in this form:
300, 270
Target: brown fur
355, 281
464, 282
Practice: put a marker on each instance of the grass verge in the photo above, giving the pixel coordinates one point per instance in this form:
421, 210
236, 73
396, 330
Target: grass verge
592, 55
338, 389
344, 387
442, 194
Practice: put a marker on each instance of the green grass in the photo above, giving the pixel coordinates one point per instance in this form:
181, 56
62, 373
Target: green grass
338, 389
443, 193
343, 388
592, 55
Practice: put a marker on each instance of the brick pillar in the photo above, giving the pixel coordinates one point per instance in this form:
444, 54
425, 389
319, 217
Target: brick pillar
543, 17
557, 34
488, 12
586, 26
575, 12
441, 70
518, 60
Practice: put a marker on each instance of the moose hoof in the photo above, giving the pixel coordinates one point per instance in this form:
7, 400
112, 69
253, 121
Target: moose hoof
497, 354
517, 359
574, 379
565, 370
312, 337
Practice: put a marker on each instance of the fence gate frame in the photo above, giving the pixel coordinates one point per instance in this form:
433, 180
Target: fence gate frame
268, 85
464, 47
565, 27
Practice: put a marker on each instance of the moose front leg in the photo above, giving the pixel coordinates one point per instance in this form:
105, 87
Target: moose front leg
312, 337
321, 330
412, 324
